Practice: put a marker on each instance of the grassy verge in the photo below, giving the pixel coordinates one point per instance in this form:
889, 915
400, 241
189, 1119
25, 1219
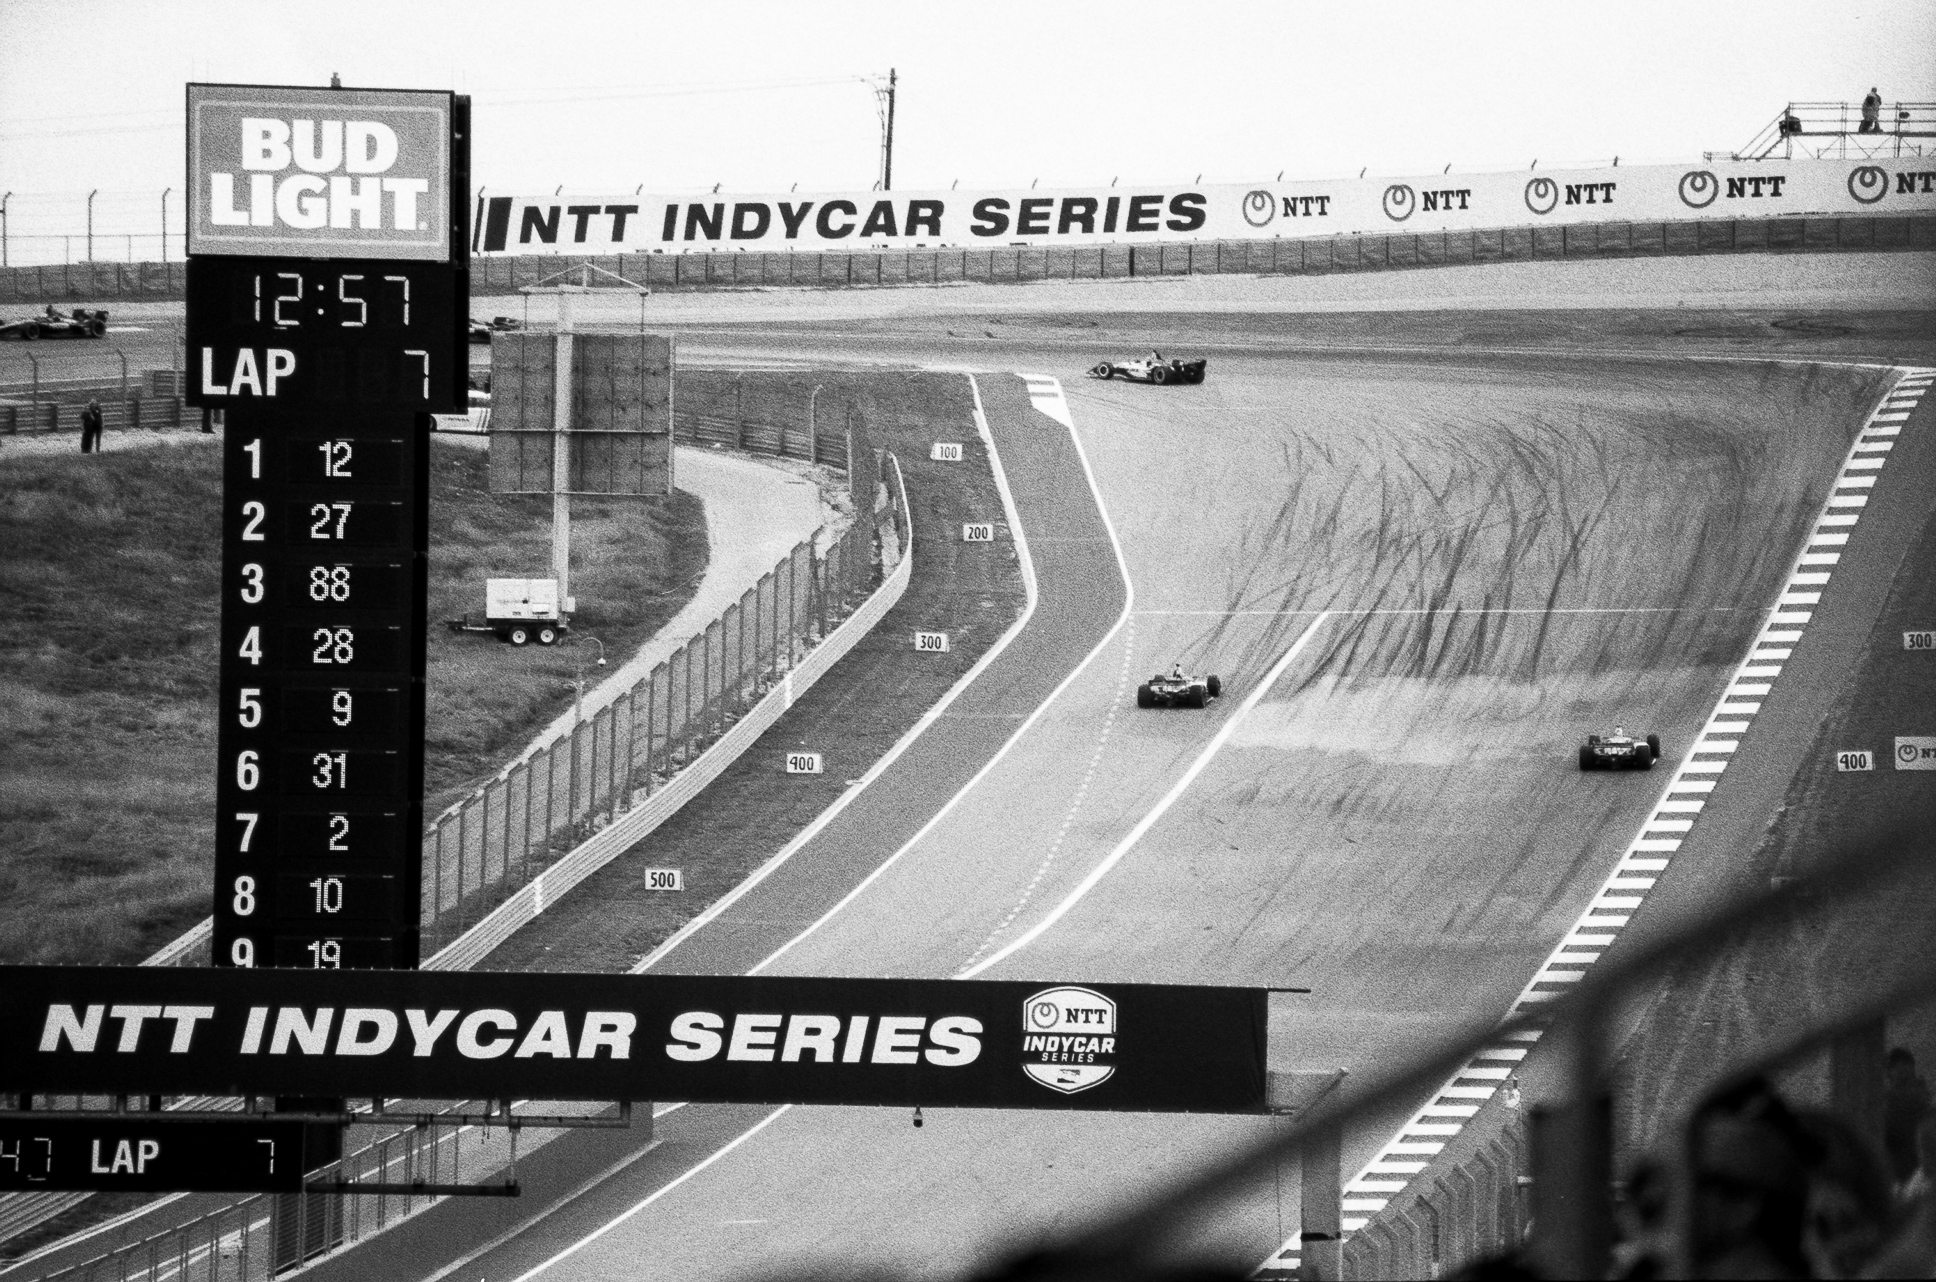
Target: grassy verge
108, 671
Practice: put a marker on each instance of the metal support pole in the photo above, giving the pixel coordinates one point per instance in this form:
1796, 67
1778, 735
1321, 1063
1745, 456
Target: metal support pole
561, 455
4, 260
164, 222
90, 223
1572, 1145
813, 426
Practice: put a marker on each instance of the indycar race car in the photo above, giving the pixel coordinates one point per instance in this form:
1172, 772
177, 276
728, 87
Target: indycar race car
1151, 369
1619, 751
481, 332
80, 323
1175, 690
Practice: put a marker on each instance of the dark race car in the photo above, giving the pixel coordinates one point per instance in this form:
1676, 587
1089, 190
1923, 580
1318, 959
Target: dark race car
1619, 751
481, 332
1151, 369
1175, 690
80, 323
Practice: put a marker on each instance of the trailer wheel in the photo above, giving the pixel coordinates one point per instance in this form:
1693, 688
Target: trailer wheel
547, 634
518, 636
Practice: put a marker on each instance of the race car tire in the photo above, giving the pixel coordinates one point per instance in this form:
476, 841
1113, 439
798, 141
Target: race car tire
1653, 745
1215, 686
547, 635
518, 636
1101, 371
1144, 699
1194, 376
1643, 763
1586, 758
1160, 374
30, 331
97, 328
1199, 698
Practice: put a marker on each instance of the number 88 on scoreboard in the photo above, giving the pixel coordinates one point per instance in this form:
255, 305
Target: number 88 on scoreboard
328, 328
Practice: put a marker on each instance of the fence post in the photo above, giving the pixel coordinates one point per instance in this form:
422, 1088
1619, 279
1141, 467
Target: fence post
739, 417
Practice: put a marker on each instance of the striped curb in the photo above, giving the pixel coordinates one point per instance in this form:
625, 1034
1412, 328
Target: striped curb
1648, 855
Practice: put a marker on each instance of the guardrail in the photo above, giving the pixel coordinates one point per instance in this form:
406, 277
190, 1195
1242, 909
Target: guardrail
626, 830
1296, 256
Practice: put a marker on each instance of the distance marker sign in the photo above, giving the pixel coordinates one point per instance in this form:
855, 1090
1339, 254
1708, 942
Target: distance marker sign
328, 297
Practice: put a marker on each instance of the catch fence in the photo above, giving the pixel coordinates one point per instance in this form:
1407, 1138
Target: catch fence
499, 838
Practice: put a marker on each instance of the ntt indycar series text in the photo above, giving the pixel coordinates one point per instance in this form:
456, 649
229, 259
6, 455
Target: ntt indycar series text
628, 223
439, 1034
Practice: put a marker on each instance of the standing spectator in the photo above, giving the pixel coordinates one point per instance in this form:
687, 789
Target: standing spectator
91, 428
1871, 113
1905, 1102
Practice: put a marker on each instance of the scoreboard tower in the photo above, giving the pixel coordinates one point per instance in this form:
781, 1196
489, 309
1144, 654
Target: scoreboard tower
328, 294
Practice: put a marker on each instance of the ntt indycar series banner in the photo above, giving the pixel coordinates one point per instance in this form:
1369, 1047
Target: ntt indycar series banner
446, 1035
904, 220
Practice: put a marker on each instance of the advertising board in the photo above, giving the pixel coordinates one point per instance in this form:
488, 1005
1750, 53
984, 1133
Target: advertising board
487, 1035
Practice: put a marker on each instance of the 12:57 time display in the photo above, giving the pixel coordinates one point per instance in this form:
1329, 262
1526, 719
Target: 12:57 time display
344, 300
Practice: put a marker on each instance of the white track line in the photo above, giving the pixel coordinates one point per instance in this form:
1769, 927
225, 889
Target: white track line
655, 1195
914, 732
1129, 604
1647, 856
1156, 812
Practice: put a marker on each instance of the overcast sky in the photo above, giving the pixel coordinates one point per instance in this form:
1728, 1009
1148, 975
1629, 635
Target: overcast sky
760, 96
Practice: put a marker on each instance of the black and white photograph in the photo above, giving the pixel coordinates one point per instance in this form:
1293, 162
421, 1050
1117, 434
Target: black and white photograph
1000, 642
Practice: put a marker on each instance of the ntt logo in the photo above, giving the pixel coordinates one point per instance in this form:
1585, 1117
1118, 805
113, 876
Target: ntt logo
1260, 207
1699, 188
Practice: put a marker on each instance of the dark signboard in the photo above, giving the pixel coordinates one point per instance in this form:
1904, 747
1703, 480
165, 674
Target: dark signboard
46, 1154
328, 294
1139, 1047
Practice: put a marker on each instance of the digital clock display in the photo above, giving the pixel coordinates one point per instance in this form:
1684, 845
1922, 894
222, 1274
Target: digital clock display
330, 332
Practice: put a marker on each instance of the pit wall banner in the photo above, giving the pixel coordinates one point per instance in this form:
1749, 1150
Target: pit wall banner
483, 1035
1115, 215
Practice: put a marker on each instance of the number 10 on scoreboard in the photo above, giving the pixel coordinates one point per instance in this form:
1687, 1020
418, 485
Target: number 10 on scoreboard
327, 343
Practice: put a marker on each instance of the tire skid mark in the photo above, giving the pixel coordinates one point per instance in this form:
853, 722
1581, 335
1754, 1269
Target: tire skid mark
1663, 833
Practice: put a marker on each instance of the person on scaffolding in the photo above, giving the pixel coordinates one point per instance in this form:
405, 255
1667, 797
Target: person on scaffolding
1871, 113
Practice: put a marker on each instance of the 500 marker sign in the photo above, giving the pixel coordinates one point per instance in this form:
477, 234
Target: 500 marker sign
441, 1034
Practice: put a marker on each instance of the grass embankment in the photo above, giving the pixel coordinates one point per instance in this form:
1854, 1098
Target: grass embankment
110, 567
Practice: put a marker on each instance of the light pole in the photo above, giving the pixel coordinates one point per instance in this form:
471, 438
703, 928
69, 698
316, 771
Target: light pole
90, 223
164, 222
577, 720
578, 685
3, 228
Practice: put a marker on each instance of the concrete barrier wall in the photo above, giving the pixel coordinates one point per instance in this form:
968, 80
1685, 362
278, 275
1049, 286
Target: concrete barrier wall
30, 287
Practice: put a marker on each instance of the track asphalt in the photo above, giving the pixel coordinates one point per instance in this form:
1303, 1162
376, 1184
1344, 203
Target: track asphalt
1512, 549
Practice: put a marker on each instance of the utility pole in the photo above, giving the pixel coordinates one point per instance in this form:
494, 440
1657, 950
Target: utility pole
884, 106
90, 223
3, 227
887, 160
164, 222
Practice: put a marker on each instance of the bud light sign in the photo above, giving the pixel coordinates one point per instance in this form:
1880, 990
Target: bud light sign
318, 173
